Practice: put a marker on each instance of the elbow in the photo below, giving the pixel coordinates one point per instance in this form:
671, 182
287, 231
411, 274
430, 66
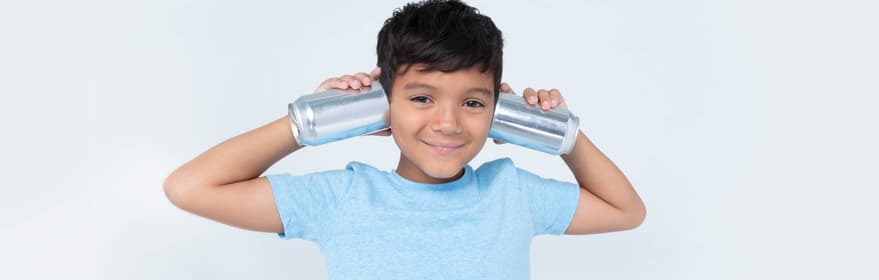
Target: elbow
172, 192
637, 217
183, 191
175, 192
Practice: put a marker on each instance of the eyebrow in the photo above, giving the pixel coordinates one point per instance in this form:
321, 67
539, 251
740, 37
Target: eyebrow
483, 91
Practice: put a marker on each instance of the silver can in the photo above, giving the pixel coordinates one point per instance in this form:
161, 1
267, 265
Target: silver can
334, 115
554, 131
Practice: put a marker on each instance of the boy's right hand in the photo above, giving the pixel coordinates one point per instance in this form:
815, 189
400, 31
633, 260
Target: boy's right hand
353, 82
347, 82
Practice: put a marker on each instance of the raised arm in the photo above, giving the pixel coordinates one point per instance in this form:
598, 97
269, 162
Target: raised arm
224, 183
608, 202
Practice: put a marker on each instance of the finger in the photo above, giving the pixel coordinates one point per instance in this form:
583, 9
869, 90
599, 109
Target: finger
330, 84
505, 88
352, 81
555, 97
340, 83
374, 74
530, 96
364, 79
543, 95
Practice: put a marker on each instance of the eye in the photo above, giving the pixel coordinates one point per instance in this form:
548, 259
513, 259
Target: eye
474, 104
420, 99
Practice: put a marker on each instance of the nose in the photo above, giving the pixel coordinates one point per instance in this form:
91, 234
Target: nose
446, 121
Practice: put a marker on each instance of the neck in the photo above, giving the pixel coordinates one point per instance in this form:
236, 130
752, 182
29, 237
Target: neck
411, 172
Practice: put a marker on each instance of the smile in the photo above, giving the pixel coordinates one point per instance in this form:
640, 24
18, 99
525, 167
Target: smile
444, 148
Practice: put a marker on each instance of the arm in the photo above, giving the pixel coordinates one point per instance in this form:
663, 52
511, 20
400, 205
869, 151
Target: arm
222, 184
608, 202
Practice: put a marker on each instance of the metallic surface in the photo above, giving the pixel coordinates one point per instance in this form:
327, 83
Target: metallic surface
553, 131
334, 115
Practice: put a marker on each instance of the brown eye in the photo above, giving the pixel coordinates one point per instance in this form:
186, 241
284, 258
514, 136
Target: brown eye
474, 104
420, 99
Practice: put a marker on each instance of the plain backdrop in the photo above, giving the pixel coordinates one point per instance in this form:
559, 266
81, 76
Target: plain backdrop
748, 128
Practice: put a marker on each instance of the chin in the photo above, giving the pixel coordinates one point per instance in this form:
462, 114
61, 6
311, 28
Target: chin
443, 171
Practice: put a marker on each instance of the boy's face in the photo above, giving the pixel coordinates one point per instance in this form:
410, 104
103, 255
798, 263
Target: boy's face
440, 121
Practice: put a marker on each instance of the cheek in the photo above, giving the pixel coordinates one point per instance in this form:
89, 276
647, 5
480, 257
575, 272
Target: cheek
481, 125
394, 114
401, 119
404, 125
478, 128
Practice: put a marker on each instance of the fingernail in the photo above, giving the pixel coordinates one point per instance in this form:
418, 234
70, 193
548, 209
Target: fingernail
532, 99
555, 103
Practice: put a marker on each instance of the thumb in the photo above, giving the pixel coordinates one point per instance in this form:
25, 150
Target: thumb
375, 73
505, 88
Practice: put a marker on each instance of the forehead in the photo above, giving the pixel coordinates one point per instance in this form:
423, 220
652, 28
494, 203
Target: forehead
416, 75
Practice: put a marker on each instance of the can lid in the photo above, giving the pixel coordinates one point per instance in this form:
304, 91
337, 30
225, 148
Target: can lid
571, 135
294, 127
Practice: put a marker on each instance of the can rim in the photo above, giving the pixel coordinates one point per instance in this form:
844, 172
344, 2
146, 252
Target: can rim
294, 126
571, 135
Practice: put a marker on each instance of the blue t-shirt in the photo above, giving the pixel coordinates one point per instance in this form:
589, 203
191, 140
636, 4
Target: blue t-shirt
372, 224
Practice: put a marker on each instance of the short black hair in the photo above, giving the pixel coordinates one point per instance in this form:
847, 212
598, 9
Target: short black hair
446, 35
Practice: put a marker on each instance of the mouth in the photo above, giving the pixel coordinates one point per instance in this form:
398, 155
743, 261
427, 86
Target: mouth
444, 148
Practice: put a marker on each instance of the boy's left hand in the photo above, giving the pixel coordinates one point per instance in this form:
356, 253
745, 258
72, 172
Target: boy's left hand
546, 99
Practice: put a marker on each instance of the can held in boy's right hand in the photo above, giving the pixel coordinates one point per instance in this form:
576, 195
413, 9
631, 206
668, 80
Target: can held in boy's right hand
335, 114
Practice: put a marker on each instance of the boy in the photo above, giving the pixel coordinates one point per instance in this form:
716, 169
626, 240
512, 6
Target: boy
434, 216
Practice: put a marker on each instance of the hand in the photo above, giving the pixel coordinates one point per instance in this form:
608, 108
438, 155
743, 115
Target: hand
546, 99
348, 82
353, 82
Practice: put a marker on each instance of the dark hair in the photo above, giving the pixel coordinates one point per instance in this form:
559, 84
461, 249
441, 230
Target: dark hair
446, 35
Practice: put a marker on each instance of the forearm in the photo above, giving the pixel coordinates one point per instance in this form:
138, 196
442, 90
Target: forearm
597, 174
240, 158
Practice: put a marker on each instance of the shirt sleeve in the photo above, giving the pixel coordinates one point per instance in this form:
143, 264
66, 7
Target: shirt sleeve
308, 203
552, 202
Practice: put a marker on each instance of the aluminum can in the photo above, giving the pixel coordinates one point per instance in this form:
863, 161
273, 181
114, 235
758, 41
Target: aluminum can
554, 131
334, 115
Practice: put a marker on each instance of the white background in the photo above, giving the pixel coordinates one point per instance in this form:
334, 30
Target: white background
748, 127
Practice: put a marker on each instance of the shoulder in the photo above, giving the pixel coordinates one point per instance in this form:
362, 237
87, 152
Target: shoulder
351, 171
502, 169
360, 170
496, 166
360, 167
365, 174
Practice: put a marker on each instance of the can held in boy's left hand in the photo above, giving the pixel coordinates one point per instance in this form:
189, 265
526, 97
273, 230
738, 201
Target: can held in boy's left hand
515, 121
334, 115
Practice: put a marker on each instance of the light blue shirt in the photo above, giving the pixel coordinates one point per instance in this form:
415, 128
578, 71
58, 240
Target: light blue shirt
372, 224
